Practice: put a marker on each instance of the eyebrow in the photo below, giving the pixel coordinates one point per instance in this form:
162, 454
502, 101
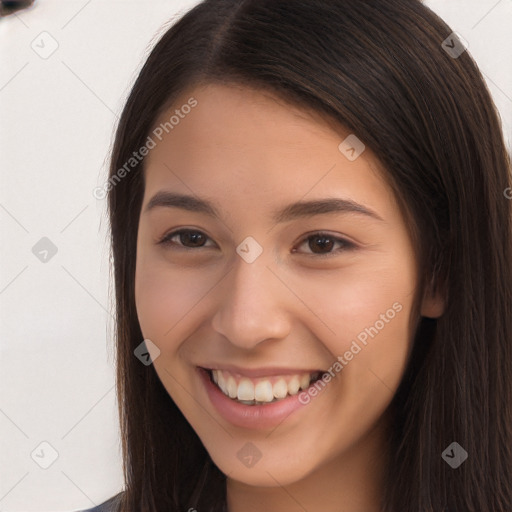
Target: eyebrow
290, 212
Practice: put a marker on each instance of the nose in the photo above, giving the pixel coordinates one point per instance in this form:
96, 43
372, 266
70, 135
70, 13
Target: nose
252, 307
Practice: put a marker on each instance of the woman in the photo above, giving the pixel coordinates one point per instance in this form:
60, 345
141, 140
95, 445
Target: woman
312, 242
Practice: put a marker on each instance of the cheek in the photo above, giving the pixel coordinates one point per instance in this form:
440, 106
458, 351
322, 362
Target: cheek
168, 298
369, 313
163, 297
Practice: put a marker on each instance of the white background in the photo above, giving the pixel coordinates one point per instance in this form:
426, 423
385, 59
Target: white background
57, 118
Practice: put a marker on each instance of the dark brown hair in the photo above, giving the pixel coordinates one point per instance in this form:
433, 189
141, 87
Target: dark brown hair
378, 68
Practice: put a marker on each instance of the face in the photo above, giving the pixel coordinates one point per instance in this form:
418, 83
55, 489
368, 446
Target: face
267, 258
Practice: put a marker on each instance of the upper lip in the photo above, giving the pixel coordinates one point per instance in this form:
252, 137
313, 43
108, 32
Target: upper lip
269, 371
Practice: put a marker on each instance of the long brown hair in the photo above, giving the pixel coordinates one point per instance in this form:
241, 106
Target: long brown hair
381, 69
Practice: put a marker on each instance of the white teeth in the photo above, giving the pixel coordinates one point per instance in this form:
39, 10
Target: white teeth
245, 390
293, 386
261, 390
304, 381
232, 387
280, 388
221, 382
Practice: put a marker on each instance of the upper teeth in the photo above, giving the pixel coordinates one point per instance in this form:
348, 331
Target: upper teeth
263, 389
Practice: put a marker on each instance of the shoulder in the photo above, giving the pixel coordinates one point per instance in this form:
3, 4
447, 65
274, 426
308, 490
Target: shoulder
107, 506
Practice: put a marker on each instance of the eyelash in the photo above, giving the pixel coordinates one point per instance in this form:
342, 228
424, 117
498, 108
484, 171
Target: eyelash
346, 245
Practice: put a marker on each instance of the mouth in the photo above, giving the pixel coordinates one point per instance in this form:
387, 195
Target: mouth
262, 390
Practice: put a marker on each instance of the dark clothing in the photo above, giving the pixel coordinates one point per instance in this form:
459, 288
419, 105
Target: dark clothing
107, 506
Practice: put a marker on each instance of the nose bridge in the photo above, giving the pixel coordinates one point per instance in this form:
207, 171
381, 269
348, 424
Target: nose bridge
252, 308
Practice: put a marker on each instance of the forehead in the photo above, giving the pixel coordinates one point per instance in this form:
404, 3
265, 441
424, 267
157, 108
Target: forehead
240, 118
249, 143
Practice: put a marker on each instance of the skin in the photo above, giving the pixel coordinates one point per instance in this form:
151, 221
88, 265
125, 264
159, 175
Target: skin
251, 153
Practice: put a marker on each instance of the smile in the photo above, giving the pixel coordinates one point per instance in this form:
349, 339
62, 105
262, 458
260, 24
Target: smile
245, 397
262, 390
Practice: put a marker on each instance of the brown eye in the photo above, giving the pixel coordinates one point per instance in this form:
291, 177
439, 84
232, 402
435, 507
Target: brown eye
186, 238
323, 244
320, 244
192, 238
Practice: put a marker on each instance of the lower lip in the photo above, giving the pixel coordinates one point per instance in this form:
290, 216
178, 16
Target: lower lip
250, 416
